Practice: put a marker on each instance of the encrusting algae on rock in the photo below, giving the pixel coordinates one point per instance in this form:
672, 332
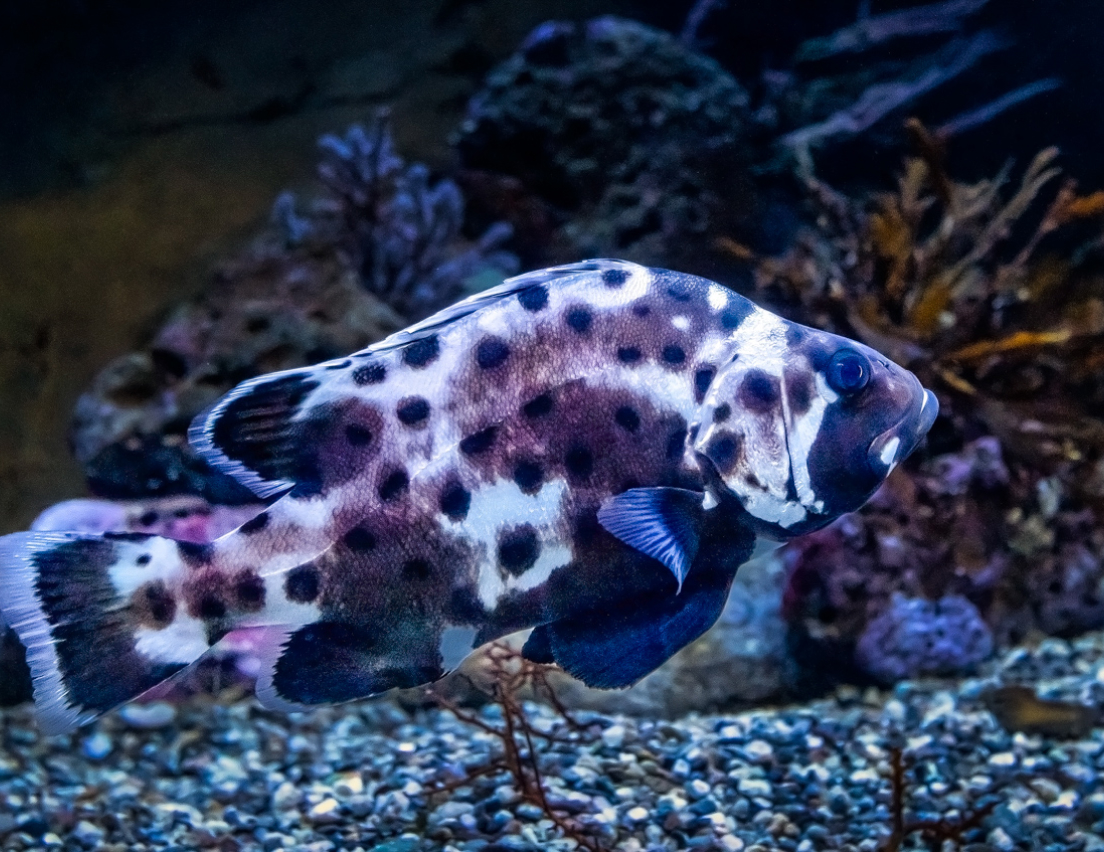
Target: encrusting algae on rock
590, 450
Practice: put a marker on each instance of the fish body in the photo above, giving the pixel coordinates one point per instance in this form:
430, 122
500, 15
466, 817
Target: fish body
591, 451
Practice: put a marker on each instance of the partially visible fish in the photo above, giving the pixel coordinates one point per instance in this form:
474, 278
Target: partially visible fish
591, 451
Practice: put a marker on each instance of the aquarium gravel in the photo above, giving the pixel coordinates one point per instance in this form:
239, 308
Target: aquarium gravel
229, 776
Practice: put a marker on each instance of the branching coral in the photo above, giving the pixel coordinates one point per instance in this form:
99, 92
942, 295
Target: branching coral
400, 229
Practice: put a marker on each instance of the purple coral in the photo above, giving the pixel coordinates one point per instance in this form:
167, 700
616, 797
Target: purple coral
916, 637
401, 230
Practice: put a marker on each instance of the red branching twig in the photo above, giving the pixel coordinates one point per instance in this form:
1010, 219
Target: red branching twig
512, 673
934, 831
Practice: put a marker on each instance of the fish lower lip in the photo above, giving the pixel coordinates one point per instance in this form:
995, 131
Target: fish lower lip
929, 410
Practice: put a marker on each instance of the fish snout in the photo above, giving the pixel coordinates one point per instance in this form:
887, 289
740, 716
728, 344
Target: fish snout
898, 443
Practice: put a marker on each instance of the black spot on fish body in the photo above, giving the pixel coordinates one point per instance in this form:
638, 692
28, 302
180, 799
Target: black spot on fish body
702, 379
673, 354
628, 354
194, 553
144, 559
724, 450
255, 525
394, 485
518, 549
126, 536
422, 351
412, 410
491, 352
302, 584
676, 442
722, 412
210, 607
148, 519
679, 291
627, 418
357, 435
417, 569
369, 374
538, 406
641, 310
359, 540
759, 392
579, 462
799, 389
614, 277
455, 501
579, 319
249, 591
479, 442
154, 605
529, 477
732, 317
535, 298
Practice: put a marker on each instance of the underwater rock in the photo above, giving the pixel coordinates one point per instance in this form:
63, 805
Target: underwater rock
380, 247
917, 637
271, 309
968, 525
618, 125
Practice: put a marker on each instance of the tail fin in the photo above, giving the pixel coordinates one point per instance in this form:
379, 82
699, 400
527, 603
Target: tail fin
98, 617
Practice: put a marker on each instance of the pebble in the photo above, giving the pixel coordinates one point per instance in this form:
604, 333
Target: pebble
156, 714
97, 747
803, 778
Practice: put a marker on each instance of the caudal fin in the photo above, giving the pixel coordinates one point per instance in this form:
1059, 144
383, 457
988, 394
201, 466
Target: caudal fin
98, 616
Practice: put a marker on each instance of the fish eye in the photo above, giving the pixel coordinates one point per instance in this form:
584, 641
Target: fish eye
848, 372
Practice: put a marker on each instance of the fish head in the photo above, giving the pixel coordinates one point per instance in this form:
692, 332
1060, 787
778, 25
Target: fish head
801, 426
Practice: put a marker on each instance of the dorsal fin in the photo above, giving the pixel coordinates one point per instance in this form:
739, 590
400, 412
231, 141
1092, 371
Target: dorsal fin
250, 433
253, 434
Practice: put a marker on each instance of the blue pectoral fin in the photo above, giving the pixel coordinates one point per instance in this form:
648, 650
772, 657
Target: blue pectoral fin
616, 648
663, 523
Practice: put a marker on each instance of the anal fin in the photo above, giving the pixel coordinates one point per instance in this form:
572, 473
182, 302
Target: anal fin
614, 649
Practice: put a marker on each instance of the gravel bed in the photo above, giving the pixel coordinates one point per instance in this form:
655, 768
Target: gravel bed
230, 776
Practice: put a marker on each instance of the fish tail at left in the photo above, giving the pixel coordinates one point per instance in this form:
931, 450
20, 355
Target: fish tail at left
99, 617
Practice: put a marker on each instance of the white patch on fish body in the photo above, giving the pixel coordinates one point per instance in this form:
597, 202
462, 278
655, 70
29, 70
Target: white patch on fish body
761, 331
127, 576
665, 389
718, 297
889, 451
502, 505
181, 642
801, 434
554, 554
457, 642
681, 323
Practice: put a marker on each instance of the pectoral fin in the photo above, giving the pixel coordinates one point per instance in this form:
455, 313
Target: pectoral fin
663, 523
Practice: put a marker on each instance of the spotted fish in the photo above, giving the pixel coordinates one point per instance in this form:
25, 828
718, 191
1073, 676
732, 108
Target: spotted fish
590, 451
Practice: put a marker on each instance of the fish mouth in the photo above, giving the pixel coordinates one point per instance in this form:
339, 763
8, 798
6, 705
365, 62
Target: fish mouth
897, 443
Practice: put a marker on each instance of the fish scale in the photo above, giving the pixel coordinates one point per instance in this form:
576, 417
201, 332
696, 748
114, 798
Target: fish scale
590, 451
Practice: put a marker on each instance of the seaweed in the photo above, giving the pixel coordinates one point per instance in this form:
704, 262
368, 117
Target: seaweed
975, 288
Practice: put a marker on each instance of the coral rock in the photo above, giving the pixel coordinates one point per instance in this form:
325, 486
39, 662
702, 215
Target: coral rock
618, 123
